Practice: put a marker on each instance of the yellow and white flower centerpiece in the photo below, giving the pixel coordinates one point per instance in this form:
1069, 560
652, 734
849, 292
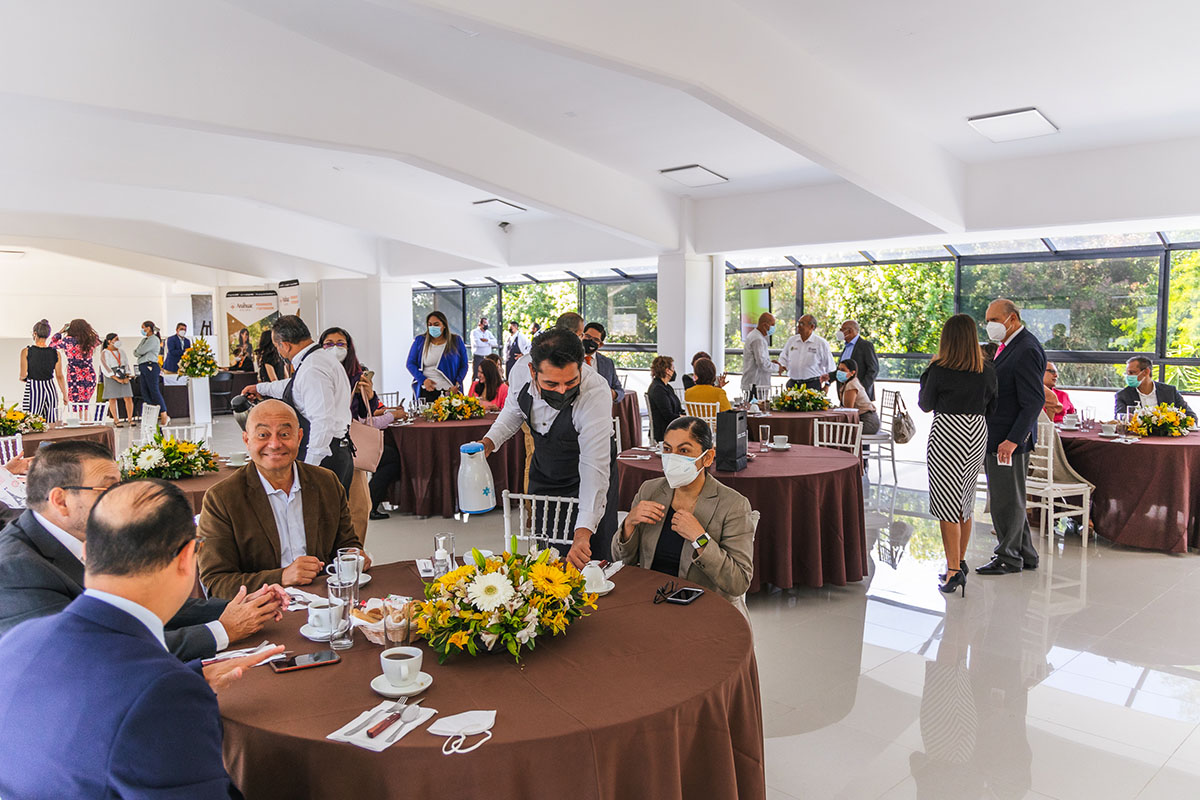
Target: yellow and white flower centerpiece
1160, 420
13, 421
198, 360
503, 602
167, 459
453, 406
800, 399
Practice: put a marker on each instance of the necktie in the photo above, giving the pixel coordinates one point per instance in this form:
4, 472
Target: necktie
999, 350
588, 359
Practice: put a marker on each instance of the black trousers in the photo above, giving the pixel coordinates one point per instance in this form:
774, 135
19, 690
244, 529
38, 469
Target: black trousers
811, 383
386, 473
340, 462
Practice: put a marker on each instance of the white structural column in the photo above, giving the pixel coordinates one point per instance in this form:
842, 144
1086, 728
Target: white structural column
378, 315
689, 286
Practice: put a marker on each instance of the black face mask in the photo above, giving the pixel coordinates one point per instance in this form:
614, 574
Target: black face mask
590, 346
559, 400
484, 326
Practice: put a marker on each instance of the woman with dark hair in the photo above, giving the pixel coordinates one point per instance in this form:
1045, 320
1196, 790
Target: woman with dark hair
690, 380
118, 373
271, 365
852, 395
688, 524
661, 398
959, 387
705, 389
149, 370
244, 341
242, 360
490, 388
437, 359
41, 368
79, 341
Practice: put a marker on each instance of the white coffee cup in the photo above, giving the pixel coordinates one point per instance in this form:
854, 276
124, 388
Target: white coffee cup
332, 569
781, 440
401, 665
1108, 429
1071, 421
238, 459
322, 613
593, 578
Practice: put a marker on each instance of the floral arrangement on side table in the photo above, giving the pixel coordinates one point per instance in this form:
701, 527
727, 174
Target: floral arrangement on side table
453, 406
168, 459
198, 361
803, 399
501, 602
13, 421
1160, 420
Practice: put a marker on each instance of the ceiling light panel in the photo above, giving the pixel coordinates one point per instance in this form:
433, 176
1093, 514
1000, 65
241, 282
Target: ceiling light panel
1008, 126
694, 175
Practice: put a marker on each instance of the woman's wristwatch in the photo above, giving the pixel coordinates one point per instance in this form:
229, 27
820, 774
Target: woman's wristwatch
701, 540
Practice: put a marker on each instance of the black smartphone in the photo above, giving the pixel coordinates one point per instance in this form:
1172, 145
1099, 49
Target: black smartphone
306, 660
684, 596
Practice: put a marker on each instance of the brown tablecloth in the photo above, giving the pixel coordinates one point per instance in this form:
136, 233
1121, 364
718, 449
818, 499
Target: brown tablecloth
1147, 493
429, 459
630, 414
195, 488
635, 701
101, 434
811, 530
800, 426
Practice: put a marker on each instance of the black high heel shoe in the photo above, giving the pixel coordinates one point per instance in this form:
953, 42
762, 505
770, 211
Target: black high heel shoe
956, 581
962, 567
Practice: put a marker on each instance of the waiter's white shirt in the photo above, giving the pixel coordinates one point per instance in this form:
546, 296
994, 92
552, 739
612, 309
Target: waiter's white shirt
804, 360
756, 361
523, 343
592, 417
482, 342
288, 510
322, 395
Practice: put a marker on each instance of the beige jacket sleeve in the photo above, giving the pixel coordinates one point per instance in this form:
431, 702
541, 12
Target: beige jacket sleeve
629, 551
728, 559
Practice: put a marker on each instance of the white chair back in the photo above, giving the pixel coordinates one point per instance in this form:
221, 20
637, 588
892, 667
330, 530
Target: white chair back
705, 411
839, 435
88, 412
887, 410
186, 433
617, 432
10, 448
1053, 500
679, 392
539, 519
882, 444
149, 423
389, 399
1041, 460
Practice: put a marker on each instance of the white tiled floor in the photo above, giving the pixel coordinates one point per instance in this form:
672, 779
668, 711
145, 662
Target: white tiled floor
1078, 680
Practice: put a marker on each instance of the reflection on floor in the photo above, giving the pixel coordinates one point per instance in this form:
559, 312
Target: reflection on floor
1078, 680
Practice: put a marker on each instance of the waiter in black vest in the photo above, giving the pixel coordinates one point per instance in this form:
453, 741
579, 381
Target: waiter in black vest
518, 346
569, 410
320, 394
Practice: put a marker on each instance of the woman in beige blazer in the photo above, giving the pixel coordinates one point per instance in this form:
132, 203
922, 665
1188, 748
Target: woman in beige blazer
688, 524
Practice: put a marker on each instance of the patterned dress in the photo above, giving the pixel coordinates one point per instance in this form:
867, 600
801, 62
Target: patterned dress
81, 372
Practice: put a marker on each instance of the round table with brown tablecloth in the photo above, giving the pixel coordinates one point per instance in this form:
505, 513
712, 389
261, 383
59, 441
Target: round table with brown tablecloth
811, 529
429, 459
101, 434
630, 414
1147, 493
195, 488
636, 700
800, 426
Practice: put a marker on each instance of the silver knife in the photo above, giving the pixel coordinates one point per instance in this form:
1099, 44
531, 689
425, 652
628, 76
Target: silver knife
399, 704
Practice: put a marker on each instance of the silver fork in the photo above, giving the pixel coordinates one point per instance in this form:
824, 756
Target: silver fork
410, 713
378, 715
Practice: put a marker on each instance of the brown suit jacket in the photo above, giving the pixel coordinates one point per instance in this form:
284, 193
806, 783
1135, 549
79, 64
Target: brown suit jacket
241, 542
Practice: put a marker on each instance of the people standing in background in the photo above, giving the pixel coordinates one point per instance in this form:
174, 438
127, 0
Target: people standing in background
176, 345
806, 357
1012, 432
491, 390
852, 395
1141, 390
594, 335
79, 341
437, 359
118, 373
518, 345
146, 357
664, 403
482, 343
1063, 406
959, 387
860, 349
757, 368
271, 365
41, 368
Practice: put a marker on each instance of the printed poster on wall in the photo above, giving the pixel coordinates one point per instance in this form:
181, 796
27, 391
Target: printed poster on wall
756, 300
247, 315
289, 298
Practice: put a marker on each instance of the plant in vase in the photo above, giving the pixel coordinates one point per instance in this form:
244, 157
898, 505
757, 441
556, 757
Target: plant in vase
1160, 420
453, 406
198, 361
802, 399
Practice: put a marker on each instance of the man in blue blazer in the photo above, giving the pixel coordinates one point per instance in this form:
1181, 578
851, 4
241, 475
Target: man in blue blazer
1142, 390
175, 346
91, 703
593, 339
1012, 431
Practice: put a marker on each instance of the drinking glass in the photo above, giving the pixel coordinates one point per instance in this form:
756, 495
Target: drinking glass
538, 542
444, 541
347, 567
341, 598
764, 437
1089, 414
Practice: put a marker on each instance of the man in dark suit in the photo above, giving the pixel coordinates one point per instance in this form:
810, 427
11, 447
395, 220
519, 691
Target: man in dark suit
41, 556
275, 520
175, 346
862, 350
94, 705
1012, 431
1142, 390
593, 339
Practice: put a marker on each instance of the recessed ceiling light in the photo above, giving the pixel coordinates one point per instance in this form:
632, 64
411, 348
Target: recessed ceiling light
1007, 126
693, 175
499, 207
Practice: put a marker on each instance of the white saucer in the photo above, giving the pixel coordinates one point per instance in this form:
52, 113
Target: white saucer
608, 588
1109, 435
1065, 428
313, 635
380, 685
364, 579
774, 446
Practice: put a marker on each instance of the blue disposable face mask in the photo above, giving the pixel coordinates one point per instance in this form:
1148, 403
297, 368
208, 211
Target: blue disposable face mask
842, 377
1131, 380
771, 331
435, 331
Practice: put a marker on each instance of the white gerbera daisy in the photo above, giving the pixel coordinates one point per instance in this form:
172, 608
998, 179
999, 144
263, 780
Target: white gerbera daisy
489, 592
150, 458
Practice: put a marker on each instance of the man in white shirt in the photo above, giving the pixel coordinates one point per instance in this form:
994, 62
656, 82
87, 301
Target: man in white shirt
483, 341
518, 345
806, 357
319, 391
569, 410
757, 368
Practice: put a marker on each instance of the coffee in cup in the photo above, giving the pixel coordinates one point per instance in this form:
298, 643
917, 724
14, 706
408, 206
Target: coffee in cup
781, 440
593, 578
322, 614
401, 665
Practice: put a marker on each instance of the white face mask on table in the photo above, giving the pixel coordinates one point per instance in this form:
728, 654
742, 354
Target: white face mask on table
459, 726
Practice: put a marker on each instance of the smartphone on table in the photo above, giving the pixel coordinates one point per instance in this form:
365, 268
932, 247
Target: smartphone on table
320, 658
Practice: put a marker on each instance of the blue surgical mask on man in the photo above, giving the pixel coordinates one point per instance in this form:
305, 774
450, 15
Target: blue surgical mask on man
771, 331
1131, 380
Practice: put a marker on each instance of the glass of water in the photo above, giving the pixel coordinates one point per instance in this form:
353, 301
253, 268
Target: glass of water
764, 437
341, 600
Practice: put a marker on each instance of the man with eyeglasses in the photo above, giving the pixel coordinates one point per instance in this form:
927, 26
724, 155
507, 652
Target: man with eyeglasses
42, 556
1058, 404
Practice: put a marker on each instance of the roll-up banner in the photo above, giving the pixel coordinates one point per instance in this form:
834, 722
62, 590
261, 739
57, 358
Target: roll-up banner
247, 315
756, 300
289, 298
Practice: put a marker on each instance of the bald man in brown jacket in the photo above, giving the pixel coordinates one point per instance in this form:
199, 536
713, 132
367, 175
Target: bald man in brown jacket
275, 520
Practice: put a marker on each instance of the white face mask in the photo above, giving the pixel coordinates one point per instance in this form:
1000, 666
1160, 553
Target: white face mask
459, 726
996, 331
838, 336
679, 470
339, 353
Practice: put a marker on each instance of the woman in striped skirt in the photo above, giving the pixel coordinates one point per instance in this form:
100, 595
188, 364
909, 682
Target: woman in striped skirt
40, 369
959, 387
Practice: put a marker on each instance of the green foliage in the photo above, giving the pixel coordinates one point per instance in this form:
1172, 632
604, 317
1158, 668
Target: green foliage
538, 302
622, 307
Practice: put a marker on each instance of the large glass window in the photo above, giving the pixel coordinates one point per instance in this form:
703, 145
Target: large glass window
538, 302
1100, 304
783, 307
629, 311
482, 302
448, 301
1183, 319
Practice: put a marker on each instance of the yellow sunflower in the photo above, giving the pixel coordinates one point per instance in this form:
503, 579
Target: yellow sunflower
550, 579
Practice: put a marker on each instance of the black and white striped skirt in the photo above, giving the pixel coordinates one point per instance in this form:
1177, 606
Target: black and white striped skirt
957, 445
41, 398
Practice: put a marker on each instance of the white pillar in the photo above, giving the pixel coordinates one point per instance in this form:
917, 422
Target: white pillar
396, 335
686, 310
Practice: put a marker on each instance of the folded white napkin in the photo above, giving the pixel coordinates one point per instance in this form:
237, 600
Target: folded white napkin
246, 651
300, 598
380, 742
613, 569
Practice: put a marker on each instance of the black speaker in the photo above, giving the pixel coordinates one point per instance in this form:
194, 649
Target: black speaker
731, 441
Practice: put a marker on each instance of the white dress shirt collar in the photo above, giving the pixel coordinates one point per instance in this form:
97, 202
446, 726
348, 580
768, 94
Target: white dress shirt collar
65, 539
138, 612
296, 359
1014, 335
